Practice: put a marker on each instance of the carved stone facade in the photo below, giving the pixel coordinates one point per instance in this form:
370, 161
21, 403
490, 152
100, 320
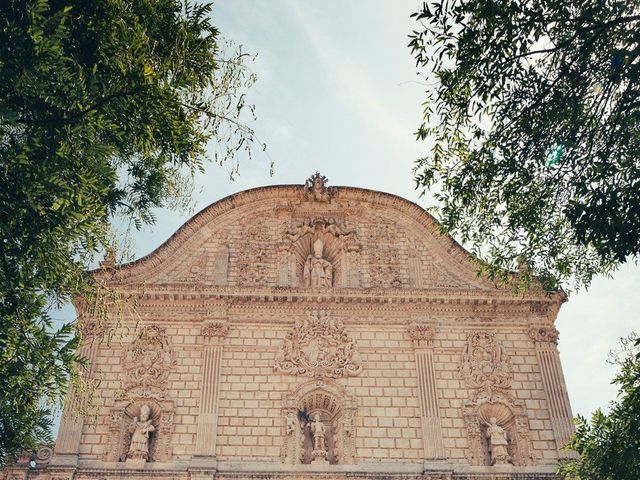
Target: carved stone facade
314, 331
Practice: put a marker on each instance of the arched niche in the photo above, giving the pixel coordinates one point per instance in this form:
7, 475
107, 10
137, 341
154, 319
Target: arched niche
509, 415
337, 411
122, 417
322, 238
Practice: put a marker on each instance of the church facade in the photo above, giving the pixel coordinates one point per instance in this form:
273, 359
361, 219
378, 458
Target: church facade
309, 331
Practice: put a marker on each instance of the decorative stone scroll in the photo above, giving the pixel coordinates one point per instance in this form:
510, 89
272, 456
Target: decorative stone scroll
318, 346
484, 364
315, 189
147, 363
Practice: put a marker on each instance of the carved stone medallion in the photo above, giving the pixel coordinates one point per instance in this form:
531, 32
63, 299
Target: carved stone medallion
318, 346
316, 190
484, 364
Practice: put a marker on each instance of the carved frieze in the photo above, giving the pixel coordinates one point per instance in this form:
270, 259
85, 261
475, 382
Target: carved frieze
318, 346
484, 363
147, 362
544, 336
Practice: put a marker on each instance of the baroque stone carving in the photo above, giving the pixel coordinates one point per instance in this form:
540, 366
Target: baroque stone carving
320, 424
421, 334
497, 430
497, 443
317, 428
147, 362
484, 364
215, 329
318, 272
140, 430
545, 336
318, 346
316, 189
384, 268
319, 247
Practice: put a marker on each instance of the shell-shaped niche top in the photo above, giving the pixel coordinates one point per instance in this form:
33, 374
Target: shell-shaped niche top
309, 236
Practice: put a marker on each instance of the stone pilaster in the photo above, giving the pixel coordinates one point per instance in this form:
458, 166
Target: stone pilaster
422, 337
72, 422
546, 341
213, 333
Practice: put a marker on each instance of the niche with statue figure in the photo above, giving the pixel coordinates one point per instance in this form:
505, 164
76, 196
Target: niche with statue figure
319, 247
319, 425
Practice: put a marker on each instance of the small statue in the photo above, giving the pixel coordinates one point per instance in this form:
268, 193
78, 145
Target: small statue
140, 430
291, 423
497, 443
318, 272
317, 431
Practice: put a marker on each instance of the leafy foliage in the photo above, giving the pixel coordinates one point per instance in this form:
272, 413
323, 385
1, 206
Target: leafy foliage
609, 445
532, 118
105, 106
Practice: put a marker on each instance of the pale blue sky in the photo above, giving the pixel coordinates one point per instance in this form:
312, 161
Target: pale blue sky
338, 92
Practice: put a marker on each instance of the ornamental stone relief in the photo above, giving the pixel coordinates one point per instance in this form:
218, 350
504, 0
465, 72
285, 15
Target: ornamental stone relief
484, 364
318, 346
384, 269
147, 363
254, 256
215, 329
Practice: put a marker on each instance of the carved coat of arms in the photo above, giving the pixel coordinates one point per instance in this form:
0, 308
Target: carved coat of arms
484, 364
318, 346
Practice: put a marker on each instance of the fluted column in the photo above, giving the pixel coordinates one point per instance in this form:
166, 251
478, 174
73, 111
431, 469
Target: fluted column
546, 341
72, 422
214, 333
422, 337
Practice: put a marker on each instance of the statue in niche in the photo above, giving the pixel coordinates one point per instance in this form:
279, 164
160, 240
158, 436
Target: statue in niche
497, 443
318, 431
140, 435
318, 272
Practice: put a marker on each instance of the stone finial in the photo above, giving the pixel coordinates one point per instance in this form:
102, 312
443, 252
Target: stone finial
316, 189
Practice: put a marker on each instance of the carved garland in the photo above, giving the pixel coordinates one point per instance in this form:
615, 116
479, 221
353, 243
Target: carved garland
318, 346
421, 334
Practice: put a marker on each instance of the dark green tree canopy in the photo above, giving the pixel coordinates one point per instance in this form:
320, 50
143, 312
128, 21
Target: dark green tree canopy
608, 445
532, 117
104, 106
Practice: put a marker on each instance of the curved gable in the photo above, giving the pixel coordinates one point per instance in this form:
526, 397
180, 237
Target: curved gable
297, 237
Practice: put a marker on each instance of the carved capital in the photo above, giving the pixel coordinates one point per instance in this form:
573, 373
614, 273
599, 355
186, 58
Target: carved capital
544, 336
215, 329
421, 334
